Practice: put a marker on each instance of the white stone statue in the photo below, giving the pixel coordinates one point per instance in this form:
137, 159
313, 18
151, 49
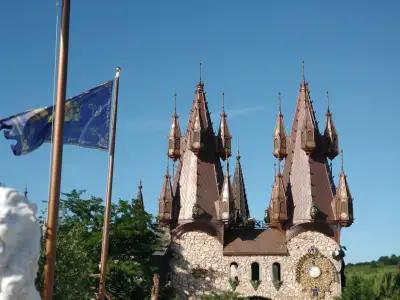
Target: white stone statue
19, 246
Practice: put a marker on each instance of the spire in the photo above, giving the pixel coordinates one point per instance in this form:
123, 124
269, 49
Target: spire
280, 149
227, 205
174, 138
165, 200
239, 193
276, 214
306, 175
330, 134
343, 200
199, 177
308, 126
139, 195
224, 136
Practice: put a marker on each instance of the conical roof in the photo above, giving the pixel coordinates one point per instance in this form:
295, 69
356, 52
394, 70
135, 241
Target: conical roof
224, 135
165, 212
306, 176
239, 192
174, 137
331, 136
280, 143
199, 175
139, 195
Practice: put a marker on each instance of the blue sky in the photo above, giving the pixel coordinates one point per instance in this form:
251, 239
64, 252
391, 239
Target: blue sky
250, 50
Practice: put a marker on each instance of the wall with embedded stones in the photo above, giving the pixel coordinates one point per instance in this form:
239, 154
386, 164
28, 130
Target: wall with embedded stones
198, 266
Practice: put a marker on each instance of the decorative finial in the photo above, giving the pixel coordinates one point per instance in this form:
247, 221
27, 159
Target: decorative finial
327, 98
117, 71
26, 192
302, 71
341, 157
280, 102
223, 102
175, 104
140, 184
200, 70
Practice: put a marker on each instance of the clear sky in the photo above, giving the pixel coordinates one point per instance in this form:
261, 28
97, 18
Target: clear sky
250, 50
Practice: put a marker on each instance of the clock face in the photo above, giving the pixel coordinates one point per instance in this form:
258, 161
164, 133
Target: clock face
315, 273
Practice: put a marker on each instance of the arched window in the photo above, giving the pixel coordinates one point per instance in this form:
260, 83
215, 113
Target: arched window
234, 271
276, 272
255, 271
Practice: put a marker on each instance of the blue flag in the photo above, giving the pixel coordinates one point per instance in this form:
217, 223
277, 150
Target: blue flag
86, 122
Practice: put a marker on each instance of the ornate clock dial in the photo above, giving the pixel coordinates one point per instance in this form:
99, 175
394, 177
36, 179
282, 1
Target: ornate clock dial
315, 272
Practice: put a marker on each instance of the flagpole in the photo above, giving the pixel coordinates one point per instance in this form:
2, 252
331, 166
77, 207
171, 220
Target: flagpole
107, 212
56, 155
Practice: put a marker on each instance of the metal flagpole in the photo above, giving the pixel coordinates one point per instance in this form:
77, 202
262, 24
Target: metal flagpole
107, 212
56, 155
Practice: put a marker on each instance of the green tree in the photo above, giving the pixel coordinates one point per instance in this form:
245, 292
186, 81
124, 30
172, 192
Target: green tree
132, 240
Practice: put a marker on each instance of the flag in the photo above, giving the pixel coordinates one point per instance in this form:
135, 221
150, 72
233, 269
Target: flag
86, 122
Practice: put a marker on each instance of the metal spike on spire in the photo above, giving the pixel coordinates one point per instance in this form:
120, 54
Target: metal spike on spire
341, 160
200, 71
223, 102
280, 102
175, 103
328, 100
302, 71
26, 192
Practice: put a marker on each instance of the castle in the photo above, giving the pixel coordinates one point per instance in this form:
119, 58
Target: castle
214, 244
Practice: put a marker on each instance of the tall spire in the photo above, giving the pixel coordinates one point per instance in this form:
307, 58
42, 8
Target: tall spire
174, 138
139, 196
280, 147
165, 200
343, 200
224, 136
227, 204
330, 134
239, 193
199, 176
276, 214
306, 175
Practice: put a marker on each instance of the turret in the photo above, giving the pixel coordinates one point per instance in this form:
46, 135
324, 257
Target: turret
343, 201
276, 214
165, 200
174, 138
224, 136
226, 201
280, 147
330, 135
242, 213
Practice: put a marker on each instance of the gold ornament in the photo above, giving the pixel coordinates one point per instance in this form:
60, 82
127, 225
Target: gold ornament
315, 273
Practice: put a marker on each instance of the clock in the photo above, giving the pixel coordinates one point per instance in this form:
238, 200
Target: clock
315, 272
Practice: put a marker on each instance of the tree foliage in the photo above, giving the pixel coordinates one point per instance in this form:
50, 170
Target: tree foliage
132, 240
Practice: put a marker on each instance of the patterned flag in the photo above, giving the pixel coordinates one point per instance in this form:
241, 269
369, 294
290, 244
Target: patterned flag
86, 122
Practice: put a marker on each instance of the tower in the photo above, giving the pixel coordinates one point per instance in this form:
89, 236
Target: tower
215, 245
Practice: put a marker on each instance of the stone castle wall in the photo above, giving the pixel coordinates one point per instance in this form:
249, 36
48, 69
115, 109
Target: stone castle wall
198, 266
